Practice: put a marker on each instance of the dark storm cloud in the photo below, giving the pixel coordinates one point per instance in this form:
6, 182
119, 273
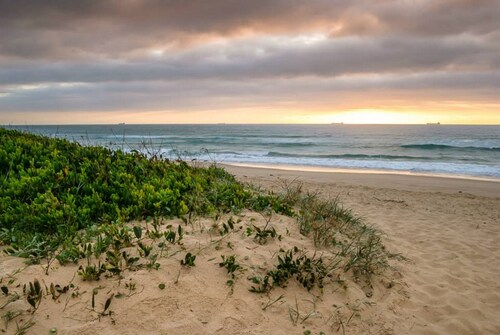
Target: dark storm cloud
116, 28
74, 29
265, 59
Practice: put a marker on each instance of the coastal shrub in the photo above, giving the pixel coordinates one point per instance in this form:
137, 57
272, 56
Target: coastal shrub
54, 187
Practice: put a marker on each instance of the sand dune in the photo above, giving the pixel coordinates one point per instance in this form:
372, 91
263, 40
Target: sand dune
446, 281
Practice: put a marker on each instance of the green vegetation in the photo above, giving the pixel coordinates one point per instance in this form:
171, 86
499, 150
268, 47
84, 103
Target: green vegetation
52, 188
230, 264
308, 271
188, 260
71, 203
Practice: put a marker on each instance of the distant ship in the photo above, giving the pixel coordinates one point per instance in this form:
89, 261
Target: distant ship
337, 123
121, 123
433, 123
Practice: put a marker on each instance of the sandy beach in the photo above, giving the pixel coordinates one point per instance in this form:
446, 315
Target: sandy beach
444, 280
448, 229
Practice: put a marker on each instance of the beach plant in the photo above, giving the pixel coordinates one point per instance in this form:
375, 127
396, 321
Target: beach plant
308, 332
130, 261
69, 252
23, 326
366, 257
137, 232
152, 263
262, 202
262, 234
144, 250
230, 264
188, 260
227, 227
57, 290
232, 267
155, 233
33, 292
9, 316
107, 304
262, 284
131, 286
272, 302
91, 272
174, 236
114, 261
296, 315
294, 263
358, 246
105, 311
34, 249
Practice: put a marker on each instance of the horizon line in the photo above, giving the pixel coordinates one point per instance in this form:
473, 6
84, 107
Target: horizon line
257, 124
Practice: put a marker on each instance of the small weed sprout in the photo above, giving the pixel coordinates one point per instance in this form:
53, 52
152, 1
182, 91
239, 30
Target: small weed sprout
144, 250
9, 316
22, 328
152, 263
33, 292
261, 235
56, 290
227, 227
91, 272
105, 311
188, 260
230, 264
172, 236
263, 285
272, 302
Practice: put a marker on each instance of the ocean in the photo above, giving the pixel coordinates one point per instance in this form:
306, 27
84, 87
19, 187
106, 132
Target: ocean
465, 151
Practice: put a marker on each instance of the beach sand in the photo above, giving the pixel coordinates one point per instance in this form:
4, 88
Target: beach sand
448, 229
446, 282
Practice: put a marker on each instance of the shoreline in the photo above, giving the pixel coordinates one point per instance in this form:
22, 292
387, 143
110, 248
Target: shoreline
371, 178
313, 168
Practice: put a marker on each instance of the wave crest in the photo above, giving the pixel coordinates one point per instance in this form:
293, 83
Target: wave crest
432, 146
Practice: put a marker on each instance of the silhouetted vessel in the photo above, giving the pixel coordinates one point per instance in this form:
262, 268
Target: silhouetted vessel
433, 123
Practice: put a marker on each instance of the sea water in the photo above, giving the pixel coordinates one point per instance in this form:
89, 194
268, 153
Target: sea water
470, 151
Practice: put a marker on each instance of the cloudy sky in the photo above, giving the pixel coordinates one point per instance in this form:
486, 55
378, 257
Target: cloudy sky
272, 61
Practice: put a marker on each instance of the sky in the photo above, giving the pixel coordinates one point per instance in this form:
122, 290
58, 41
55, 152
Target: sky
259, 61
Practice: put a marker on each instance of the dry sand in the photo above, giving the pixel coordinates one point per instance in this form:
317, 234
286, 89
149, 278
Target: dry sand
447, 229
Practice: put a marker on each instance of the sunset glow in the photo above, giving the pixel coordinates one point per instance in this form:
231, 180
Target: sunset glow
378, 117
234, 62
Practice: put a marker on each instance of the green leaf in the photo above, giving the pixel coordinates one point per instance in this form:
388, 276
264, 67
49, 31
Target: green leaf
138, 232
108, 302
